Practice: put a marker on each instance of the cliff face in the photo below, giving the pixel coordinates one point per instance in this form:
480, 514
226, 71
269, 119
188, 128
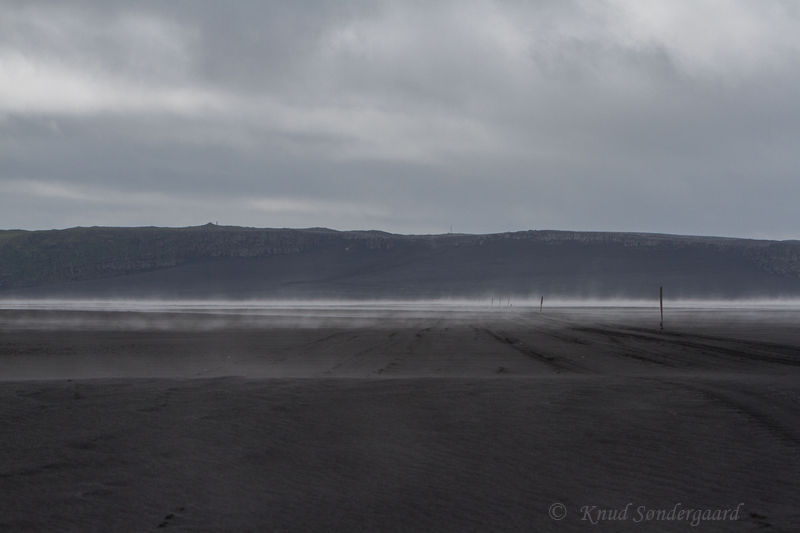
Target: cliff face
233, 261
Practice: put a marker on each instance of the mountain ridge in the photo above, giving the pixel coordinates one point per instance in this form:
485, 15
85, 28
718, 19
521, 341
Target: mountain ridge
200, 261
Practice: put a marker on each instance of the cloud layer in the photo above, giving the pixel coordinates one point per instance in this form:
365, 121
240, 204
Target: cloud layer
488, 116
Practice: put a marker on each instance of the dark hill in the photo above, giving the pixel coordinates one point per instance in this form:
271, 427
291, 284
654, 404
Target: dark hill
232, 262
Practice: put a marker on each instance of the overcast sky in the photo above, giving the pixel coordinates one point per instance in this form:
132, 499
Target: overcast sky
660, 116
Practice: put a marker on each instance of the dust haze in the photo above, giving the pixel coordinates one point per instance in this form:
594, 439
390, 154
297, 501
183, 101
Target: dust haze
176, 144
412, 415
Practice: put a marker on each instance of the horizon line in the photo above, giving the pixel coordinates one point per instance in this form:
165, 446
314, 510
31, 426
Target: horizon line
463, 234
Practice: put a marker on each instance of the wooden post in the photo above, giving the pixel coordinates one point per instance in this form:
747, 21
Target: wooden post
661, 305
541, 304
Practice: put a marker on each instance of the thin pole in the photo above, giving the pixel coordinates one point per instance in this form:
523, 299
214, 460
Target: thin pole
661, 305
541, 304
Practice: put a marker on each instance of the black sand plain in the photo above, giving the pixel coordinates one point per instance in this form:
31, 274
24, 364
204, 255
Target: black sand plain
398, 418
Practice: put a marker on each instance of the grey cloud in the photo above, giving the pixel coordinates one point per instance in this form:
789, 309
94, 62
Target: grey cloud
488, 116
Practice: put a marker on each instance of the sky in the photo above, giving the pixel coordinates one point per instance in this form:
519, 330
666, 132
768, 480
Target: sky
476, 116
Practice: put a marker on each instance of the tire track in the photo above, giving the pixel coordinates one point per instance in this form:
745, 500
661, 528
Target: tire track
558, 365
744, 404
709, 349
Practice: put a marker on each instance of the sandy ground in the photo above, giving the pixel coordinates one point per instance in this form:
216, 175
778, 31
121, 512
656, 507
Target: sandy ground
398, 418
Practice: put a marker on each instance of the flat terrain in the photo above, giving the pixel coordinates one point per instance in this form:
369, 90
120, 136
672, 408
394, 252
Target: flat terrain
396, 417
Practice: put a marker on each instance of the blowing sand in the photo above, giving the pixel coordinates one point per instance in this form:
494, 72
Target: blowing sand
439, 418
